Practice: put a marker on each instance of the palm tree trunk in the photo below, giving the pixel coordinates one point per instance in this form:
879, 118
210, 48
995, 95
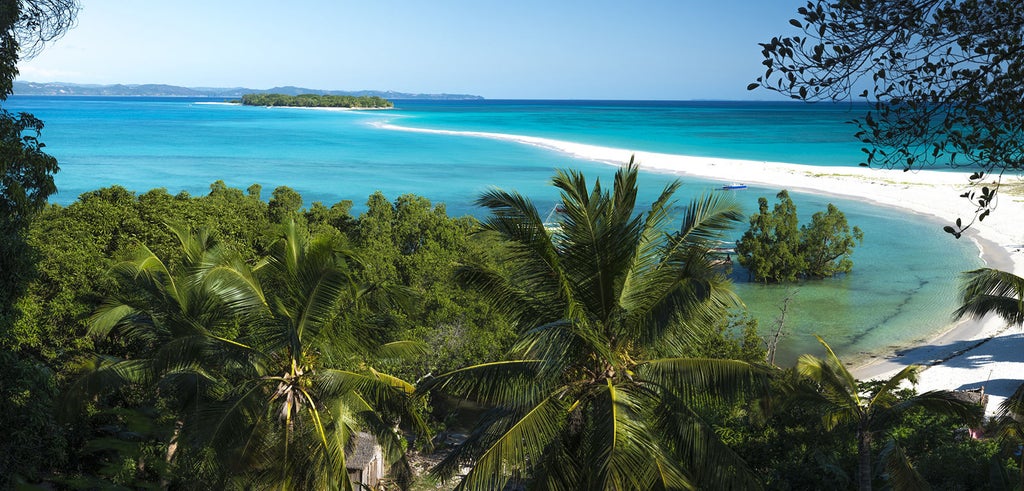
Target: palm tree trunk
863, 457
172, 449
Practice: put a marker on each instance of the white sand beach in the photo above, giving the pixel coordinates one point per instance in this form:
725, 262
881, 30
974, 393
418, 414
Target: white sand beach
966, 355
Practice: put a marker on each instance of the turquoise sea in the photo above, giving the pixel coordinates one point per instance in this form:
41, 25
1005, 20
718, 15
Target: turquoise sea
905, 276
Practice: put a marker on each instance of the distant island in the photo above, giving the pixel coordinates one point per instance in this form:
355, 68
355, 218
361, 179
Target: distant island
314, 100
161, 90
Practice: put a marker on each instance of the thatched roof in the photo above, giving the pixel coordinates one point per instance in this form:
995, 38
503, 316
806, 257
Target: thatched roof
363, 451
977, 396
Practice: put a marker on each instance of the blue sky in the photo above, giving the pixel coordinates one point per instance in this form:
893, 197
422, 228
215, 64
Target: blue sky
569, 49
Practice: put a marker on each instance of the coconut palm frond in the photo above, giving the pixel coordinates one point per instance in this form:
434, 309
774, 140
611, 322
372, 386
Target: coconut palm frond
512, 383
885, 391
237, 287
943, 402
620, 446
697, 377
987, 291
1013, 405
246, 366
401, 350
706, 221
511, 449
108, 316
706, 460
102, 375
830, 386
600, 236
523, 304
561, 347
1010, 417
233, 421
839, 401
837, 383
899, 472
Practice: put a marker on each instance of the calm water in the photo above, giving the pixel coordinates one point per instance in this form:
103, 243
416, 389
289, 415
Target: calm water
902, 289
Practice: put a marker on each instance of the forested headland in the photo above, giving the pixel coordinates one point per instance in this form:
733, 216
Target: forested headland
314, 100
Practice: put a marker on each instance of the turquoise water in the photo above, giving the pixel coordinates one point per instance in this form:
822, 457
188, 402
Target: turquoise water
901, 291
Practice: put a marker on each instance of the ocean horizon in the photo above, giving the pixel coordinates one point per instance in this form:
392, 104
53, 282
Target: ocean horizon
181, 144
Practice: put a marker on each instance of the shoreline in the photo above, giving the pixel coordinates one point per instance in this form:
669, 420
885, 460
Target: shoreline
961, 355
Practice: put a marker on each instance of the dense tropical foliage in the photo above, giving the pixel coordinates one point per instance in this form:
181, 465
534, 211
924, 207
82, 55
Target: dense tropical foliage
408, 243
316, 100
123, 437
27, 389
276, 382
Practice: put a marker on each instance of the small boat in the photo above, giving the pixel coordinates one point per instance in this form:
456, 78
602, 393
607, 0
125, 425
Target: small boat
734, 186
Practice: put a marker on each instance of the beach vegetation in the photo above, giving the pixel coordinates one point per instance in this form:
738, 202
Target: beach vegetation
315, 100
870, 409
595, 394
989, 291
790, 446
943, 81
775, 248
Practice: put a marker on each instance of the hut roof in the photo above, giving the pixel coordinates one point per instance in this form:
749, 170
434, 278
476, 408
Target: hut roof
362, 451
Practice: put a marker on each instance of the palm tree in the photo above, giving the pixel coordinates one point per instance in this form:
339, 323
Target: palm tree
174, 322
592, 395
286, 379
843, 400
991, 291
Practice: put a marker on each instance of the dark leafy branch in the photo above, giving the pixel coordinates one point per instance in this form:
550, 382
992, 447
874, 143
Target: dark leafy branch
943, 79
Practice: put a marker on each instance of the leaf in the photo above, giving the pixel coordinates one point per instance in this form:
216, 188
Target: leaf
753, 86
796, 23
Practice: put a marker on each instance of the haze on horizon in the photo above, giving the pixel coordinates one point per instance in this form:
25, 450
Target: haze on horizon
657, 50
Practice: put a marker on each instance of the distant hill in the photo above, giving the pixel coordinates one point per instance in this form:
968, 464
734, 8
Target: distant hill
161, 90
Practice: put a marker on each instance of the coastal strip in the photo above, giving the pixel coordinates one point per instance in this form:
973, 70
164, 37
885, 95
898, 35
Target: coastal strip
964, 355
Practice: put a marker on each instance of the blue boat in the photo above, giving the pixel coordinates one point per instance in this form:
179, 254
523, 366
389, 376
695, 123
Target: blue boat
734, 186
